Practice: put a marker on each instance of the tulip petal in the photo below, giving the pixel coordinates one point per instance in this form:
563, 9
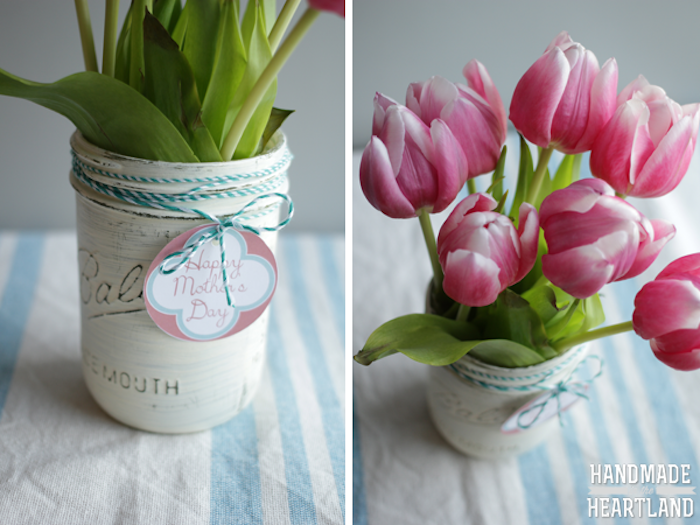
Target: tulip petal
690, 264
537, 96
679, 350
579, 197
638, 84
451, 164
562, 40
623, 146
379, 183
602, 108
472, 203
662, 307
479, 80
381, 104
668, 164
475, 132
583, 271
529, 233
571, 117
650, 247
435, 94
471, 278
413, 97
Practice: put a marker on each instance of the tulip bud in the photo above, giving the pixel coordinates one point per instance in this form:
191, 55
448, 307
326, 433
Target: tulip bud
594, 238
564, 99
332, 6
646, 148
481, 252
475, 114
408, 166
667, 313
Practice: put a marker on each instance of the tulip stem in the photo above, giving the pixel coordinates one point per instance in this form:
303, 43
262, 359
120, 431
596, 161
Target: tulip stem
538, 176
429, 235
463, 313
592, 335
265, 80
86, 40
471, 186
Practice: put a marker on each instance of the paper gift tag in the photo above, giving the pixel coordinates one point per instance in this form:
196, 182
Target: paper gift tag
191, 304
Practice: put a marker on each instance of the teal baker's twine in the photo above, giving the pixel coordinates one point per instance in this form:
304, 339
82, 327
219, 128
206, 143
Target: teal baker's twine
539, 386
231, 222
277, 175
556, 390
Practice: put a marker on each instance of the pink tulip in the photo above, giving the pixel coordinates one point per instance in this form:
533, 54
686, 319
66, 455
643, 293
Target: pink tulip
594, 237
482, 253
667, 313
565, 99
645, 149
475, 114
332, 6
408, 166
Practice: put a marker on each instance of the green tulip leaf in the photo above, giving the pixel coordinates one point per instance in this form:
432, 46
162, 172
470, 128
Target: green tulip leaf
123, 58
524, 177
277, 118
496, 188
259, 55
178, 32
505, 353
167, 12
269, 10
169, 83
230, 64
511, 317
136, 61
108, 113
425, 338
201, 40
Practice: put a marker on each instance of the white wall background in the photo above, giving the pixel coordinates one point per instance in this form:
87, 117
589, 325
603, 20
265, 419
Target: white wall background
401, 41
39, 41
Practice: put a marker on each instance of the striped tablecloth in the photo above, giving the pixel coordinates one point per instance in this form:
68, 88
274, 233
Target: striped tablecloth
63, 461
639, 411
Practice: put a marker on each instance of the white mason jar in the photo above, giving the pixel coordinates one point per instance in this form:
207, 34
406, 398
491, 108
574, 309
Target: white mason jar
137, 373
469, 401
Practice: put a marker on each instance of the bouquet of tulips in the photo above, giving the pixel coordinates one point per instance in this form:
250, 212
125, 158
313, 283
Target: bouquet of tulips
192, 83
516, 280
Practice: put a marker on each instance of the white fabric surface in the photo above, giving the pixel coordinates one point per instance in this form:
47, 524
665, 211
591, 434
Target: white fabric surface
64, 461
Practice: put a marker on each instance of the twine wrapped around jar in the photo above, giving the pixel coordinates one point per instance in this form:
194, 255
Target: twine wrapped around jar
128, 210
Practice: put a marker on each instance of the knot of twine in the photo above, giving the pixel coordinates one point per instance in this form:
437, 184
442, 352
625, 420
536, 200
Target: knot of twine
577, 387
217, 234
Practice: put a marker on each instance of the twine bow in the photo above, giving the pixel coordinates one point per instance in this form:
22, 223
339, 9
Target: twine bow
554, 392
218, 233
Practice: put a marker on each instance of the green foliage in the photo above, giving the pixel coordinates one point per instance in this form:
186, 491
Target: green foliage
195, 63
96, 104
169, 83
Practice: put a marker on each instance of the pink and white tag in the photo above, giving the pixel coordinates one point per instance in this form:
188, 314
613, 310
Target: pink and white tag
190, 303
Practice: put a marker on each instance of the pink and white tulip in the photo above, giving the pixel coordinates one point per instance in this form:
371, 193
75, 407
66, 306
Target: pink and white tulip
667, 313
646, 148
481, 252
594, 238
332, 6
565, 98
407, 166
474, 113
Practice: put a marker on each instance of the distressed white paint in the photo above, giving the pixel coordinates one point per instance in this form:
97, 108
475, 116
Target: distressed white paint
470, 416
137, 373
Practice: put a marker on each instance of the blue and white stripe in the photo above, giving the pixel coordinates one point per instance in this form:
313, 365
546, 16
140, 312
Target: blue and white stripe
62, 460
